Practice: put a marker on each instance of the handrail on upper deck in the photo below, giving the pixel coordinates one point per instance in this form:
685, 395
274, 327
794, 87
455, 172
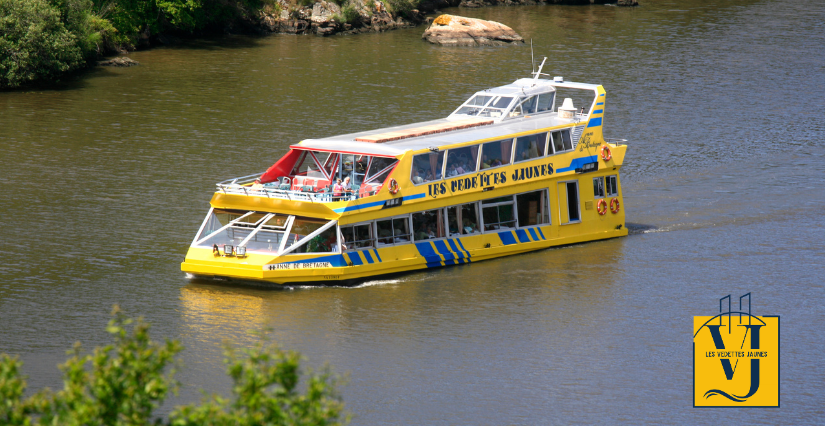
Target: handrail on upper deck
241, 186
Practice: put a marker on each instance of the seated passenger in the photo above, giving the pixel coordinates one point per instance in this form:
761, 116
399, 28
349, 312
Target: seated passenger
257, 184
485, 163
347, 185
337, 189
469, 226
452, 172
416, 178
496, 163
460, 168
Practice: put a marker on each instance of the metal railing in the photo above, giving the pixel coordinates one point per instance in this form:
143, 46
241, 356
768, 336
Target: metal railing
241, 186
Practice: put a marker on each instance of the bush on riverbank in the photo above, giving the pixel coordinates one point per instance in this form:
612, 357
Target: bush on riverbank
42, 40
124, 383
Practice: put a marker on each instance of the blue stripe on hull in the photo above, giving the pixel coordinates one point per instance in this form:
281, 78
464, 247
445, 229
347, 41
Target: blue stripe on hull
426, 249
578, 162
355, 259
533, 234
366, 254
522, 236
507, 238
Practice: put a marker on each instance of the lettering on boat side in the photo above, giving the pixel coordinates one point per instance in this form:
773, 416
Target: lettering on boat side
481, 180
308, 265
587, 143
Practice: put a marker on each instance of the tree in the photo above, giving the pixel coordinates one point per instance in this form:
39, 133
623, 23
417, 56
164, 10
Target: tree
125, 382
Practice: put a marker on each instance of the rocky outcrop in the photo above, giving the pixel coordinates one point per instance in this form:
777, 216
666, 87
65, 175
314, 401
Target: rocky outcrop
451, 30
326, 18
120, 61
363, 16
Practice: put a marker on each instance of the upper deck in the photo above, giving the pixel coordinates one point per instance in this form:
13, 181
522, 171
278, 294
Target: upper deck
309, 171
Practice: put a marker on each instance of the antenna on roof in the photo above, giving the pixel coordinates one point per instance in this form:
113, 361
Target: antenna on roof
537, 74
532, 59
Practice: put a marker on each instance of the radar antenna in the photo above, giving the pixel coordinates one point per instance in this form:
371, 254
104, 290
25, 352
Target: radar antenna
537, 74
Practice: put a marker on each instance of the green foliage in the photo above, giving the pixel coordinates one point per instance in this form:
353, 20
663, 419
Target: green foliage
124, 383
401, 7
350, 14
35, 43
265, 392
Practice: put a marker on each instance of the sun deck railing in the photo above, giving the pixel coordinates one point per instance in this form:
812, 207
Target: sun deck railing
243, 186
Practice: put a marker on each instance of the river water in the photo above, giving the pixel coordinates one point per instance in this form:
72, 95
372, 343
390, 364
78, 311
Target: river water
106, 179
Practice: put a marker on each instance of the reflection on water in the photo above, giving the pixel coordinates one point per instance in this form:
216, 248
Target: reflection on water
106, 180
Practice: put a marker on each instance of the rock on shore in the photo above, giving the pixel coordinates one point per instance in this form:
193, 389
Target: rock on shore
120, 61
451, 30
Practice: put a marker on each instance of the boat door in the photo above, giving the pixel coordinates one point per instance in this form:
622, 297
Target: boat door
569, 203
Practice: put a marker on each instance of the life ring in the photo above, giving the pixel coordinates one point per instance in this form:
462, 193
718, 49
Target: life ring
601, 207
614, 205
393, 187
606, 155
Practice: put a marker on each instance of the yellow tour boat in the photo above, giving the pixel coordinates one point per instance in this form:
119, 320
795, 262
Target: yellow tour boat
514, 169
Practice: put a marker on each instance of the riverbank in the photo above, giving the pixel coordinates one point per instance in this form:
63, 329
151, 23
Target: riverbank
326, 18
42, 43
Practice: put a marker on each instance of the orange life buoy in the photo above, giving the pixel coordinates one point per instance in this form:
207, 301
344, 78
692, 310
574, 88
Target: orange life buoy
601, 207
614, 205
606, 155
393, 187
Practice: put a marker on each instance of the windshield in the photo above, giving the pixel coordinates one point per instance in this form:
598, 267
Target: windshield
485, 106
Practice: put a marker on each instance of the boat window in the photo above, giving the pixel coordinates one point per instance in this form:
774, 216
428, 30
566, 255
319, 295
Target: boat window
392, 231
474, 105
545, 102
427, 167
612, 186
494, 154
428, 224
532, 208
530, 147
498, 213
462, 219
379, 169
598, 187
265, 241
232, 227
462, 160
497, 107
561, 141
486, 106
353, 167
525, 106
325, 242
307, 166
357, 236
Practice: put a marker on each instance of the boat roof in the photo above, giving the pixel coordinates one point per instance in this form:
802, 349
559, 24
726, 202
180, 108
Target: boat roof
396, 140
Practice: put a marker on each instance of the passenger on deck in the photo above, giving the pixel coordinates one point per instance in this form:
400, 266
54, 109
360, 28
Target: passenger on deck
257, 184
337, 189
347, 185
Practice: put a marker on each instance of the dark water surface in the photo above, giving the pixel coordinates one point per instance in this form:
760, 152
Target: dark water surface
106, 180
